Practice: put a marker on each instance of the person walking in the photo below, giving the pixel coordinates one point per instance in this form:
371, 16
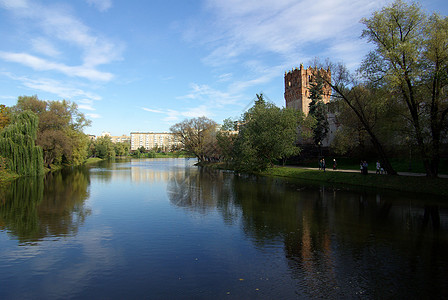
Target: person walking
378, 167
323, 164
334, 164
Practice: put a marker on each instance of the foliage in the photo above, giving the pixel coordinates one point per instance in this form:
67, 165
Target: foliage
225, 143
198, 136
122, 149
18, 147
268, 134
318, 111
104, 148
363, 101
411, 59
60, 129
229, 125
4, 116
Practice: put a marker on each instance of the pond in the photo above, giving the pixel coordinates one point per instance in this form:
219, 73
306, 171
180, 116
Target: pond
165, 229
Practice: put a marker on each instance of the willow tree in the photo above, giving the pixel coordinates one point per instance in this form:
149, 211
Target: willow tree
17, 144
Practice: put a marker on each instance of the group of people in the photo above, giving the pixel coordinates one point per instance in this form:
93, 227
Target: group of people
363, 165
322, 164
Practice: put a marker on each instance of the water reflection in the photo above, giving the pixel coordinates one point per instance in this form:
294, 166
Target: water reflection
34, 208
336, 242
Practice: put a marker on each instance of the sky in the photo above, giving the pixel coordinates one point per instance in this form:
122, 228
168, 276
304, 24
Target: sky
143, 66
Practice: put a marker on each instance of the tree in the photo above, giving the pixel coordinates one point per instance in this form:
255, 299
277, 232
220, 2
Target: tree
18, 147
196, 135
60, 129
411, 57
318, 111
122, 149
4, 116
229, 125
267, 134
363, 102
104, 147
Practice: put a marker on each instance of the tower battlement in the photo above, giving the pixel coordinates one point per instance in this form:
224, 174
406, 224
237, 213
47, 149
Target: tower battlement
297, 84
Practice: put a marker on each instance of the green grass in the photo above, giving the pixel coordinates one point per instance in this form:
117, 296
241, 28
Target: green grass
92, 160
414, 184
400, 165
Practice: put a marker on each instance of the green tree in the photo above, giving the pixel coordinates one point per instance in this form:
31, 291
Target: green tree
60, 129
104, 147
411, 58
318, 111
17, 144
197, 135
122, 149
4, 116
267, 134
363, 101
229, 125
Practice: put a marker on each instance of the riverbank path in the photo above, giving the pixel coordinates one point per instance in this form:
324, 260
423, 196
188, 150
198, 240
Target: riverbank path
370, 171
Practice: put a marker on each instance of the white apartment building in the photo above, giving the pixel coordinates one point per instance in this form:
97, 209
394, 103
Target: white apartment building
151, 140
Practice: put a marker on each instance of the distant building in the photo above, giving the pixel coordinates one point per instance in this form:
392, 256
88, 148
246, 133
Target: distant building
150, 140
121, 139
297, 94
297, 85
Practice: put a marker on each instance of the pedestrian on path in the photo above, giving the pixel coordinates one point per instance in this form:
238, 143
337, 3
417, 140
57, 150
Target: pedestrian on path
334, 164
378, 167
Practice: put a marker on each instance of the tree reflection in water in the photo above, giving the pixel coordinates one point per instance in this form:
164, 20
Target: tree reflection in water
335, 241
34, 208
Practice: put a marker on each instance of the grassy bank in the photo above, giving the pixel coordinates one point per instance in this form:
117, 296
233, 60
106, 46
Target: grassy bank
400, 165
412, 184
92, 160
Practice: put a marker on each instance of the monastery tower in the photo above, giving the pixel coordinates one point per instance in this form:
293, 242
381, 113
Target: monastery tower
297, 84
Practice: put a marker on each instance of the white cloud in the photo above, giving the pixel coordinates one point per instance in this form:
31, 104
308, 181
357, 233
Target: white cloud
14, 4
44, 46
284, 27
177, 115
41, 64
65, 91
153, 110
93, 116
210, 95
58, 25
101, 5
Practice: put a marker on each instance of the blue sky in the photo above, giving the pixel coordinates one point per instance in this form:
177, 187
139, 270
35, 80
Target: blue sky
146, 65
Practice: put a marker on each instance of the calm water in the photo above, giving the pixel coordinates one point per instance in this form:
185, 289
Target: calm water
164, 229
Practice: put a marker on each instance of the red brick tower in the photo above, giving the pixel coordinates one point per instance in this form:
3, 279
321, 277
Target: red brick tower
297, 84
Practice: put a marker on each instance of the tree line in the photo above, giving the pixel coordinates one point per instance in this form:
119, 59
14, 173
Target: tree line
397, 99
36, 133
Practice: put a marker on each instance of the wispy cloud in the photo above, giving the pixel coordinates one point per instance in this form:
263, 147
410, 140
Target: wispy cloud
284, 27
172, 115
40, 64
65, 91
59, 25
213, 97
44, 46
93, 116
153, 110
101, 5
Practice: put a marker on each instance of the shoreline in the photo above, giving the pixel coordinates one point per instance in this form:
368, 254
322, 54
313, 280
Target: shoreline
401, 183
